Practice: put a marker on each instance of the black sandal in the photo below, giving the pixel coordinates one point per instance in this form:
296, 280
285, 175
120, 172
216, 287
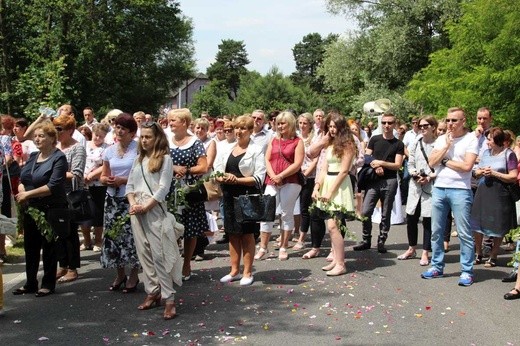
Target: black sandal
512, 296
479, 259
23, 290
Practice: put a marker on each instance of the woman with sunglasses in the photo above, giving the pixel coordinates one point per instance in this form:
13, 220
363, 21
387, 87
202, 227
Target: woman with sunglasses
118, 250
148, 184
189, 165
420, 190
68, 248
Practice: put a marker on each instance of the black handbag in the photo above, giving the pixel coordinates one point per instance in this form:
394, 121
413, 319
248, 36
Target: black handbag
81, 204
255, 208
59, 219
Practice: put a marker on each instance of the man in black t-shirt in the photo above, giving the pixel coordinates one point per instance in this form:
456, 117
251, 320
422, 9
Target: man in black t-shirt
388, 153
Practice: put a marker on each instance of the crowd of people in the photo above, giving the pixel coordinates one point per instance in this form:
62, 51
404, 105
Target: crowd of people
134, 166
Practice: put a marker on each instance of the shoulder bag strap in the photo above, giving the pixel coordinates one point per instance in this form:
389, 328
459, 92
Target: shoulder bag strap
424, 154
149, 188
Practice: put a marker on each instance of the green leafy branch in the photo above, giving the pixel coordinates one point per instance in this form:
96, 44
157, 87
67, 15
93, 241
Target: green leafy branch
39, 218
332, 210
177, 200
514, 235
118, 226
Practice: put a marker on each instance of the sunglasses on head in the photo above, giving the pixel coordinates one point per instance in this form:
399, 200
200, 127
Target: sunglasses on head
149, 124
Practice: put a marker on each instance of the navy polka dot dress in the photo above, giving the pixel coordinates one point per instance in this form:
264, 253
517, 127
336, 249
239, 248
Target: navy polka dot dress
193, 217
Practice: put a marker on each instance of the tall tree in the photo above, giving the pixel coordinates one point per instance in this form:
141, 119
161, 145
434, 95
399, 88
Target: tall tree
104, 53
394, 41
481, 68
229, 66
308, 55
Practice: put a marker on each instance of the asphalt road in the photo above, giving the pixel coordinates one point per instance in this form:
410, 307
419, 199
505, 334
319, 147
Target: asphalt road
379, 301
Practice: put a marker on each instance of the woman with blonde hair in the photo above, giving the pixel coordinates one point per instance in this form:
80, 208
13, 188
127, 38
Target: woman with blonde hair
148, 184
306, 127
284, 159
189, 165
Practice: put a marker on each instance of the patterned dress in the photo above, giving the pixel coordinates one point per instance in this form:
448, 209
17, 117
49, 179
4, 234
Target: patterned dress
120, 251
193, 217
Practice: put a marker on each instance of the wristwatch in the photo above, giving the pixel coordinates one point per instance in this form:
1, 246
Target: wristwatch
444, 161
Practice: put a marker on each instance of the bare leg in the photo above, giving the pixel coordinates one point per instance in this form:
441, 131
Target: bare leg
338, 244
235, 252
189, 247
478, 242
98, 234
248, 250
87, 241
297, 223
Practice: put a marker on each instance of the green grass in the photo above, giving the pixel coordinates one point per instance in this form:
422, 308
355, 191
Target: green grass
15, 253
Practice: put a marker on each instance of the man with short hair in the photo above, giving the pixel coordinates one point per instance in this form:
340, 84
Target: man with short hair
318, 115
388, 153
453, 157
90, 119
260, 135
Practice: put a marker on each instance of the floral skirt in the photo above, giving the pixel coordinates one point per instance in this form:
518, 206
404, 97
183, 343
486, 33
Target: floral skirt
120, 251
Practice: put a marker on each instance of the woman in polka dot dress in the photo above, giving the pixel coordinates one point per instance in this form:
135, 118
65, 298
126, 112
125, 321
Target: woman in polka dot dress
189, 164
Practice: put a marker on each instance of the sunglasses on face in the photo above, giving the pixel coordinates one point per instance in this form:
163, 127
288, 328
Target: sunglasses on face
424, 126
387, 122
59, 128
228, 130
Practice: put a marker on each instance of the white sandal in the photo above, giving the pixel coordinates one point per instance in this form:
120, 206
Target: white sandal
261, 253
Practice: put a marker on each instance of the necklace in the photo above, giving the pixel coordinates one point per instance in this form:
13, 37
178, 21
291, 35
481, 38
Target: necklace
121, 151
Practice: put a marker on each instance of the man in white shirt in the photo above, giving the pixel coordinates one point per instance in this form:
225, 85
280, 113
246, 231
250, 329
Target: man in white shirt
453, 157
260, 135
90, 119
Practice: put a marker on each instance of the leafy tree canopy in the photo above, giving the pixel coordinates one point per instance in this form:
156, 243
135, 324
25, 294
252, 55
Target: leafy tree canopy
481, 68
107, 53
229, 66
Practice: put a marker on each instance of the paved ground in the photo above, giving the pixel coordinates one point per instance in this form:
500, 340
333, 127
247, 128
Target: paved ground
380, 301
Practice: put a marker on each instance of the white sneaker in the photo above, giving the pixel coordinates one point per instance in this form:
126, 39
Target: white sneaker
247, 281
228, 278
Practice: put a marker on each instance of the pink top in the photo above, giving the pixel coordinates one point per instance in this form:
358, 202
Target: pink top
282, 156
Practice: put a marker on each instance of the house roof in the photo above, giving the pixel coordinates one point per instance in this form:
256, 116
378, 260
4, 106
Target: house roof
185, 84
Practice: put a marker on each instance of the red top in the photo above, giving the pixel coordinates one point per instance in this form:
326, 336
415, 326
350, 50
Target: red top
287, 147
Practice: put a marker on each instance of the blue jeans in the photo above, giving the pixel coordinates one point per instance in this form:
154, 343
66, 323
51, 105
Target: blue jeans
459, 201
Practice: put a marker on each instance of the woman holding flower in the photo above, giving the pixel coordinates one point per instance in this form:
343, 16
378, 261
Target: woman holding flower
333, 188
42, 186
118, 248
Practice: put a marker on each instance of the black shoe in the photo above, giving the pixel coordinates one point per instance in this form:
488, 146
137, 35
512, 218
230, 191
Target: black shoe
512, 296
44, 292
362, 246
23, 290
511, 277
381, 248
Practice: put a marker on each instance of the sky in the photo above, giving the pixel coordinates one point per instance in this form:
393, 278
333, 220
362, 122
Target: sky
269, 28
